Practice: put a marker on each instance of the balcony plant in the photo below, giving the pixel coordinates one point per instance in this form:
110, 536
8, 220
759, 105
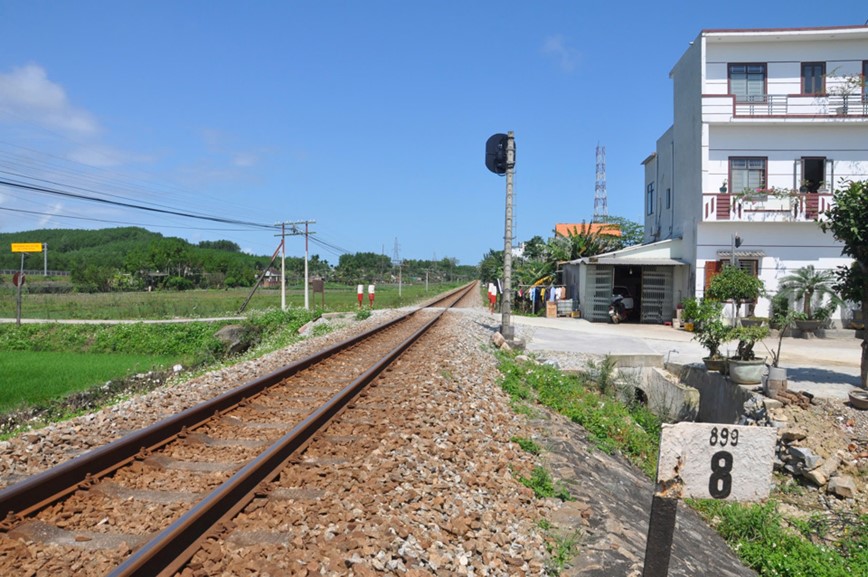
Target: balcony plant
723, 186
845, 86
749, 194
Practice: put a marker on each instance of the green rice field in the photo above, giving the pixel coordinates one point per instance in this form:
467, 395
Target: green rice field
35, 378
168, 304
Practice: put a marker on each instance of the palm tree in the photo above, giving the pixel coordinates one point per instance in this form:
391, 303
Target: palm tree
807, 283
583, 240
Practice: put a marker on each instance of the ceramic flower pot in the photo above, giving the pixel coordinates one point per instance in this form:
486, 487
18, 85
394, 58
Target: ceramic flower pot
718, 365
746, 372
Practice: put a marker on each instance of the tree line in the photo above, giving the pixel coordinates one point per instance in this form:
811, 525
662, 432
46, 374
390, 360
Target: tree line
538, 259
133, 258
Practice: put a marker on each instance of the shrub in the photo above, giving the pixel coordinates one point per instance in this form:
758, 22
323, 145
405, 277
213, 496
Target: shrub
735, 284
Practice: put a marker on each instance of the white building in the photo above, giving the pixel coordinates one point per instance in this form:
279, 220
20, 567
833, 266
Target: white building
765, 123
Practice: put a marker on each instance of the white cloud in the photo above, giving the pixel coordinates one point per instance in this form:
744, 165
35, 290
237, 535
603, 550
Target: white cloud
51, 212
27, 94
566, 57
221, 144
245, 159
105, 156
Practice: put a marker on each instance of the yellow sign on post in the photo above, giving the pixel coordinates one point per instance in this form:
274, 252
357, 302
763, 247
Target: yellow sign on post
26, 247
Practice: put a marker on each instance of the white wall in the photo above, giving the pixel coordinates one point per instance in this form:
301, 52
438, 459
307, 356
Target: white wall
787, 247
846, 146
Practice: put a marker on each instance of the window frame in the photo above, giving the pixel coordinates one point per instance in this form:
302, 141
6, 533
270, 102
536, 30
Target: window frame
747, 97
821, 77
814, 186
735, 188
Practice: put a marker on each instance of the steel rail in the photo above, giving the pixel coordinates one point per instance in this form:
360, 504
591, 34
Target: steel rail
36, 492
172, 548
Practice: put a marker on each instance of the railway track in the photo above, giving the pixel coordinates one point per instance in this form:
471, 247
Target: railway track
166, 499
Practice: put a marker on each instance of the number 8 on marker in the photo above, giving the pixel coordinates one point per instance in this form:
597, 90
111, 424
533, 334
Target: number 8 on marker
720, 482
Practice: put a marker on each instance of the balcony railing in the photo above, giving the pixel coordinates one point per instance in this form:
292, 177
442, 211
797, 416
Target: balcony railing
796, 207
786, 106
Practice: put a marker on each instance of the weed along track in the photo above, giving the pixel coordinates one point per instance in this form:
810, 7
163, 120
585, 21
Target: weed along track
303, 470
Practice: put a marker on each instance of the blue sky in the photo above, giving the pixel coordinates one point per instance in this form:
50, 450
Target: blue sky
368, 117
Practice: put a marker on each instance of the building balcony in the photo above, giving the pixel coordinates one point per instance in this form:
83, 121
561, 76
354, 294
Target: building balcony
796, 207
787, 107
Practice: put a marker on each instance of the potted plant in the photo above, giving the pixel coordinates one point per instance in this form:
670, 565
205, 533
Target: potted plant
723, 187
842, 87
708, 329
745, 368
739, 286
736, 285
777, 377
749, 194
808, 284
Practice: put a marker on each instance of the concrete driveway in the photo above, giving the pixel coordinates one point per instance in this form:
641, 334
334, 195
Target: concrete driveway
827, 368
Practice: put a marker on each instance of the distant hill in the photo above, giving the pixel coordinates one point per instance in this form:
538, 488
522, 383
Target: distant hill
111, 247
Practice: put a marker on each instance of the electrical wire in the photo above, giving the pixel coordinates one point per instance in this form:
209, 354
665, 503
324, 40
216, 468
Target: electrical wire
107, 221
141, 185
67, 194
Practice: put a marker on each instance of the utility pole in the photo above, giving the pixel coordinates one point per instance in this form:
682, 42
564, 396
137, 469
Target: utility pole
294, 232
397, 261
500, 159
45, 259
283, 266
506, 328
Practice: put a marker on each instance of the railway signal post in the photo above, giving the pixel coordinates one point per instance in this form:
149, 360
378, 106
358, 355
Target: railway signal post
500, 159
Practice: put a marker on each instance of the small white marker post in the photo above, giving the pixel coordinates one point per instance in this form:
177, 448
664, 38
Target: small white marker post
704, 461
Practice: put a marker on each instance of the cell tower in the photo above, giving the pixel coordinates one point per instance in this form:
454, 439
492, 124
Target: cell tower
601, 202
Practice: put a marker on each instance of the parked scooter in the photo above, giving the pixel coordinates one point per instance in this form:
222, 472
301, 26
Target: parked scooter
617, 310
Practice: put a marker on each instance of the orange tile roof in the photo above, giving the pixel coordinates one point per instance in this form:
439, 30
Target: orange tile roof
565, 229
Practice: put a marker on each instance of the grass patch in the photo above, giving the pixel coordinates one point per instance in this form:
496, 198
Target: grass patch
772, 545
60, 370
169, 304
542, 485
613, 427
40, 377
527, 445
764, 540
561, 547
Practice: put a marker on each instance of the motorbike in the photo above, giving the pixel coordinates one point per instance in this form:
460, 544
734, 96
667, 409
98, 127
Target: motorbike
617, 310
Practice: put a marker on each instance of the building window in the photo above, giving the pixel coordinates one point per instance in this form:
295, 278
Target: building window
668, 198
813, 174
813, 77
747, 173
748, 82
649, 198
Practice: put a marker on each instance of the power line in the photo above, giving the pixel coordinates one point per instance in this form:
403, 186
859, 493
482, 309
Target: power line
142, 185
107, 221
67, 194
